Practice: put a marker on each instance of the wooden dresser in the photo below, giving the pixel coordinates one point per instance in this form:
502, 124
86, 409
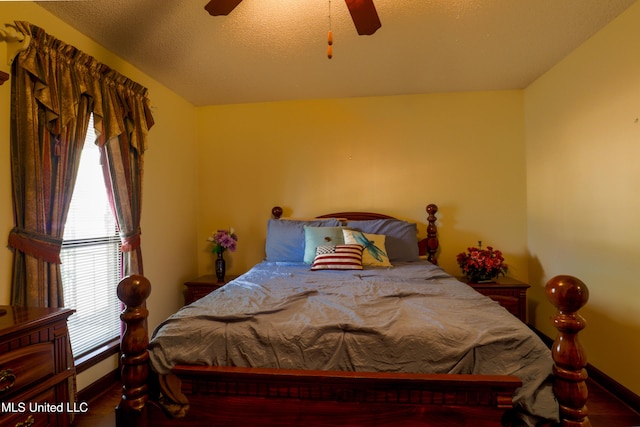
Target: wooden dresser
35, 367
509, 292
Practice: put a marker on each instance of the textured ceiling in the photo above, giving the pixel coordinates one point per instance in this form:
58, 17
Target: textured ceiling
268, 50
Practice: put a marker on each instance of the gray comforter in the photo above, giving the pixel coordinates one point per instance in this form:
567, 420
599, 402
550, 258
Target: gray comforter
410, 318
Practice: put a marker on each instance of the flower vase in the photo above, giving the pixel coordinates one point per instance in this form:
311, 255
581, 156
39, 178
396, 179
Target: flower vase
481, 279
220, 267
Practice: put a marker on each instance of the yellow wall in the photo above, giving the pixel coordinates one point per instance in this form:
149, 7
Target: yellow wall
582, 150
169, 200
395, 155
546, 174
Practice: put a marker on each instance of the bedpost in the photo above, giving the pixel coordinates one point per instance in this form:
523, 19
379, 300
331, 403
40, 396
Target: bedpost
276, 212
432, 243
131, 411
568, 294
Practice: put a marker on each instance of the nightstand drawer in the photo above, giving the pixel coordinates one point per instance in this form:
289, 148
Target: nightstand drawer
25, 366
508, 292
197, 292
508, 298
203, 286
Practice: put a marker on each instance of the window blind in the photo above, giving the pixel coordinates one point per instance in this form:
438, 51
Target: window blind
91, 257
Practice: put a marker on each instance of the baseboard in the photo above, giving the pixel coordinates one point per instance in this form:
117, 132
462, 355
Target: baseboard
612, 386
99, 387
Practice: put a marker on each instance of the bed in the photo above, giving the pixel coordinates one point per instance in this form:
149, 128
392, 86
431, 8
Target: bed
311, 337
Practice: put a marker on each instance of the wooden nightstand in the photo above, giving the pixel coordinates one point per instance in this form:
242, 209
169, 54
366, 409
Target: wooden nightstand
202, 286
509, 292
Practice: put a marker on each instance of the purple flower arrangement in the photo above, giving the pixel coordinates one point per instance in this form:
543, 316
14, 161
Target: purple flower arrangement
222, 240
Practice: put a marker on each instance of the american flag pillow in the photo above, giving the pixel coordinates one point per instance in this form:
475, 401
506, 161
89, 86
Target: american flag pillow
338, 257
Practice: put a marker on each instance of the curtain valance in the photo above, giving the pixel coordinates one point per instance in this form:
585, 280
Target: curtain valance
119, 104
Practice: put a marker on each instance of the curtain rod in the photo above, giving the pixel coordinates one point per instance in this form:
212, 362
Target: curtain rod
16, 41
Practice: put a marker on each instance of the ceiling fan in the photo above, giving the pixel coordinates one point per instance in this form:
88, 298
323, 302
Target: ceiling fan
363, 13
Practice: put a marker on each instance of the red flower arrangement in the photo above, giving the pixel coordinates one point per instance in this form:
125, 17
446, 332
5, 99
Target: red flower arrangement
481, 265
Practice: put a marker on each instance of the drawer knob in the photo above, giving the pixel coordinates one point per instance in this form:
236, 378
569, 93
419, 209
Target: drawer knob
27, 423
6, 376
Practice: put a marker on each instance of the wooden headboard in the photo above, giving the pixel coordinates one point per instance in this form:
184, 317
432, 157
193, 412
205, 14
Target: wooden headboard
426, 247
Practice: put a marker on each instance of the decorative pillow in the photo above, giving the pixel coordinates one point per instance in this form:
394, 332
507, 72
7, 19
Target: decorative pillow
319, 236
401, 236
339, 257
374, 253
285, 238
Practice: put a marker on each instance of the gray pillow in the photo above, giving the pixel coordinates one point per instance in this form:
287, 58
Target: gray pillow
402, 236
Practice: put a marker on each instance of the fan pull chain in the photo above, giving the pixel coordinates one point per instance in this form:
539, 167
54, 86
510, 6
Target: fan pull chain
330, 36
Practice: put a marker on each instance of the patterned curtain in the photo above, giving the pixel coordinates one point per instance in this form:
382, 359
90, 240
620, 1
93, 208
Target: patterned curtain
55, 87
122, 162
49, 118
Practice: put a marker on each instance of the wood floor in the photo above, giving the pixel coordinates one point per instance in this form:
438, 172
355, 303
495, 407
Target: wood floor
604, 410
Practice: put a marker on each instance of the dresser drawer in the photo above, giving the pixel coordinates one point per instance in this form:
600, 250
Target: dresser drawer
19, 413
25, 366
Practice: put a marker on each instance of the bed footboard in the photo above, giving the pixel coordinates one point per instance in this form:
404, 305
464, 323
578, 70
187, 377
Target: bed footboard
270, 397
246, 396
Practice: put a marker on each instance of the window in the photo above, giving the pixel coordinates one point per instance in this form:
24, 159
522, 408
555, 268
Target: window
91, 257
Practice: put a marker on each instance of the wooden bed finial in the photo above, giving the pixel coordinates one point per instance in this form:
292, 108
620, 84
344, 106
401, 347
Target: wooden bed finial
568, 294
432, 234
133, 291
276, 212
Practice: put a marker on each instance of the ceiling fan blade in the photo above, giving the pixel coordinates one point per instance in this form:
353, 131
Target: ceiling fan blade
221, 7
364, 15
